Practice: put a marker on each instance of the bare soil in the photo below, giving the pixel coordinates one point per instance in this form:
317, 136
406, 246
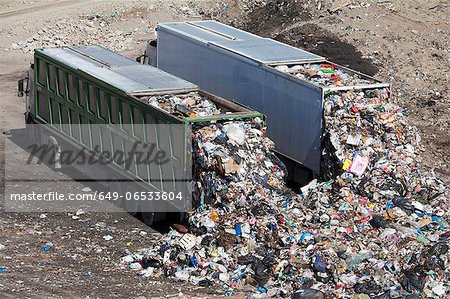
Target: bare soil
320, 41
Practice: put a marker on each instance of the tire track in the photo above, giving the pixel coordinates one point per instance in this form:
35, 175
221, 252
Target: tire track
27, 10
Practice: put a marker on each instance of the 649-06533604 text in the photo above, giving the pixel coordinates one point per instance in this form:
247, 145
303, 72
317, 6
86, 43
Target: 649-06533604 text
97, 196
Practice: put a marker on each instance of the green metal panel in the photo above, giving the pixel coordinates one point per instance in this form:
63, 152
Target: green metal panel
68, 99
76, 95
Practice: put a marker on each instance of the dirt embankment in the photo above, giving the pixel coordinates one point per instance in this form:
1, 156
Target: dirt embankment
289, 22
83, 259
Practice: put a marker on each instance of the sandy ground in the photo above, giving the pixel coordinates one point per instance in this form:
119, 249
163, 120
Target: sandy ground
407, 41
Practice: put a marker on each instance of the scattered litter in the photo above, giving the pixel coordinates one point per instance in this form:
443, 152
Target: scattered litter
84, 31
325, 74
180, 228
47, 246
439, 290
359, 164
308, 294
235, 132
340, 4
187, 241
136, 266
108, 237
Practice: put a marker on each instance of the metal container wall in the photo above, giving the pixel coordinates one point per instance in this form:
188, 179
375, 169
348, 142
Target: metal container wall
240, 66
94, 98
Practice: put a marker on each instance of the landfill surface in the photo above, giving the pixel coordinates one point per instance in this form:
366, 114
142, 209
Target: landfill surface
377, 226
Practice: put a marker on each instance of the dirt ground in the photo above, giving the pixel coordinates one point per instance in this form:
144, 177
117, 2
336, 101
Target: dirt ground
405, 43
81, 263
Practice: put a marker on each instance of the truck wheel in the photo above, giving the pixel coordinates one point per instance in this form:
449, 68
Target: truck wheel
113, 186
181, 216
131, 206
148, 218
33, 134
55, 152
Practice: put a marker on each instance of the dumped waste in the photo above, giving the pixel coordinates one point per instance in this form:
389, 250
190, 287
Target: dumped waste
183, 105
46, 246
376, 226
325, 74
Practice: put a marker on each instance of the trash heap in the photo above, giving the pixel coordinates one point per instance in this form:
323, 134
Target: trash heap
191, 104
377, 228
324, 74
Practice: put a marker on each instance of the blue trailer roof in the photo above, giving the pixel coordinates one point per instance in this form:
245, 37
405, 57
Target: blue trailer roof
262, 50
115, 69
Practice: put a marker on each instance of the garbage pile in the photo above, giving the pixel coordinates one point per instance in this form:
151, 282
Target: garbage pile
191, 104
377, 228
324, 74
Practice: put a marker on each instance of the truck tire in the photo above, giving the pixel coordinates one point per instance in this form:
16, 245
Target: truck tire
131, 206
33, 133
148, 218
54, 161
113, 185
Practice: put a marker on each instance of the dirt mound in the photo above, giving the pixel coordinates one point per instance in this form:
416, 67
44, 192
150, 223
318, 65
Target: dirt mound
312, 38
275, 18
275, 15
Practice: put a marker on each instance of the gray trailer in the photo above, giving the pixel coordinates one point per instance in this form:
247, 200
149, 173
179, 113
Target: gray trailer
256, 72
